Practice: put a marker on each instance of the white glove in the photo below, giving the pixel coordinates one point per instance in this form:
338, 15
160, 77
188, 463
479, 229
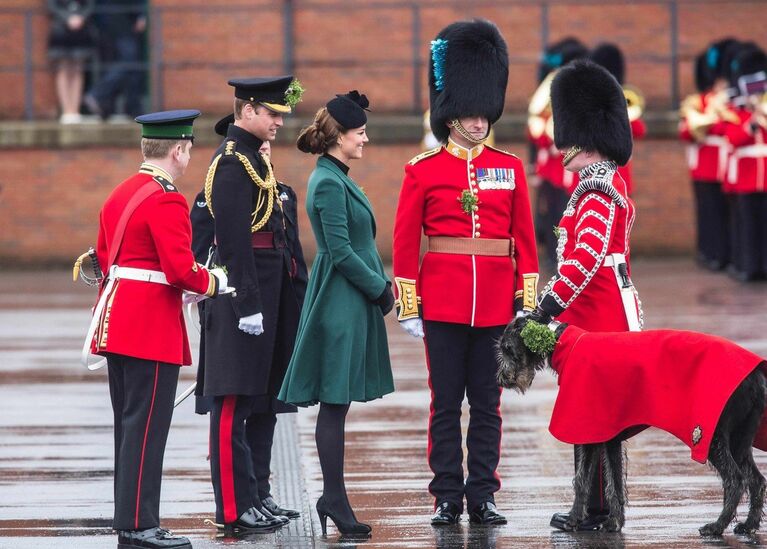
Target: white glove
413, 326
223, 281
253, 324
191, 297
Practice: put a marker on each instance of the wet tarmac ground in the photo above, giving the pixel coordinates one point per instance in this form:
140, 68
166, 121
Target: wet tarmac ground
56, 440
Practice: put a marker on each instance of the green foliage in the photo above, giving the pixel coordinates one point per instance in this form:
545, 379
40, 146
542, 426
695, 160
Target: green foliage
538, 338
294, 93
468, 201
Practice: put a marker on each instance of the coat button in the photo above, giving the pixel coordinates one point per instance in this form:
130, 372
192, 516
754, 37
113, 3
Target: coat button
476, 234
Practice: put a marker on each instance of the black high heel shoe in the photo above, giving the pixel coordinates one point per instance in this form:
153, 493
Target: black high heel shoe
355, 528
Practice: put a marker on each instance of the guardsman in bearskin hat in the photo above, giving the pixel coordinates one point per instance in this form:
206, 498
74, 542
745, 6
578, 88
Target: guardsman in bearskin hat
249, 335
259, 427
592, 288
471, 201
707, 154
610, 56
144, 244
745, 178
554, 182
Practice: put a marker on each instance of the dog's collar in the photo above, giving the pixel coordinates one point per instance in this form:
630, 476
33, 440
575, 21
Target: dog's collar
554, 325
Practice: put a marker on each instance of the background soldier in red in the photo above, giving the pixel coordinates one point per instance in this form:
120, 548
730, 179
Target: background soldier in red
592, 288
145, 243
472, 203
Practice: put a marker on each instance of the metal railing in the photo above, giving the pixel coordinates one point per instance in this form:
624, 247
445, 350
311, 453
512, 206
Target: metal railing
160, 16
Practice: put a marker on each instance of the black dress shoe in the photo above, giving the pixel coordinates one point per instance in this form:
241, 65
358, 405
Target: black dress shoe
251, 522
281, 518
151, 538
276, 510
589, 524
486, 513
446, 513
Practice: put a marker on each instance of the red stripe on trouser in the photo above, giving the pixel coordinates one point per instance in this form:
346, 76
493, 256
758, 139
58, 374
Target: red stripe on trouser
146, 436
226, 467
431, 411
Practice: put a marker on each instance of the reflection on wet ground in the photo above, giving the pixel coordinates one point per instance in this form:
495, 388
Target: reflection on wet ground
56, 453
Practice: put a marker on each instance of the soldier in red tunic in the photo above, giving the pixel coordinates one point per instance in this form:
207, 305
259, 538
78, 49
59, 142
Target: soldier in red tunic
707, 155
145, 243
746, 175
471, 201
592, 288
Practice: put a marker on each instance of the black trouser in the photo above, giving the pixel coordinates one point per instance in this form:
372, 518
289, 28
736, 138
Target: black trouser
712, 223
142, 393
462, 361
259, 430
231, 466
751, 218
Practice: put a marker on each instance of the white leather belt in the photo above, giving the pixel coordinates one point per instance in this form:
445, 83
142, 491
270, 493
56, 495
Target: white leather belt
751, 151
626, 288
115, 273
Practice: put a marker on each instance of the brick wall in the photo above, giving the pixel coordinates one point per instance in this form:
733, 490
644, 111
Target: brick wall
341, 45
49, 199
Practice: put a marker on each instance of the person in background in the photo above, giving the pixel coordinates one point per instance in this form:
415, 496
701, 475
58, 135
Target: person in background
611, 57
707, 156
70, 43
342, 353
122, 28
554, 183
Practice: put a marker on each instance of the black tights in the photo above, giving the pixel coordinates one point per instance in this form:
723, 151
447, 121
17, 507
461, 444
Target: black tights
329, 435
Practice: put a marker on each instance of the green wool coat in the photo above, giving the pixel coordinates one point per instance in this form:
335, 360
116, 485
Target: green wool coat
341, 353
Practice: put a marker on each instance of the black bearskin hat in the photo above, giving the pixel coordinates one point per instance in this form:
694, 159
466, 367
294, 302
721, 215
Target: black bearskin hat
590, 111
750, 59
610, 57
468, 73
560, 53
719, 55
704, 76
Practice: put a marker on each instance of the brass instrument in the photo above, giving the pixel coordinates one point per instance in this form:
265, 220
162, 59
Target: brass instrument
539, 109
635, 102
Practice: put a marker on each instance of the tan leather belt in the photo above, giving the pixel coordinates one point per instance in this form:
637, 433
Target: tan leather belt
470, 246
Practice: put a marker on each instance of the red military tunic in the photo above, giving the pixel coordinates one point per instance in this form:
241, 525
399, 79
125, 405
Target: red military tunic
674, 380
548, 162
596, 223
707, 154
476, 290
144, 319
747, 166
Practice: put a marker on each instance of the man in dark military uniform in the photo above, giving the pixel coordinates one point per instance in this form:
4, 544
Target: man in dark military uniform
144, 239
249, 335
259, 427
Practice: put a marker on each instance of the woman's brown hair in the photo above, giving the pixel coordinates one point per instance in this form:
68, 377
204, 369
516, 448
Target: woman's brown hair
320, 135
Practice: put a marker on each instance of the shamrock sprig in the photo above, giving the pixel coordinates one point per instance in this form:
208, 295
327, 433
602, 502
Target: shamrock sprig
468, 201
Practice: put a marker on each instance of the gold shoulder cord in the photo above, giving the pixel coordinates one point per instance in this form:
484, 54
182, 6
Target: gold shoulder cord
268, 186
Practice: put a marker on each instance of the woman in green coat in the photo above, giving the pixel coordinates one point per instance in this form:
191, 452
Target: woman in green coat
341, 353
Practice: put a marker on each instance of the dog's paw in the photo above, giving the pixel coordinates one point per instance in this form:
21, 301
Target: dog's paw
612, 524
745, 529
710, 530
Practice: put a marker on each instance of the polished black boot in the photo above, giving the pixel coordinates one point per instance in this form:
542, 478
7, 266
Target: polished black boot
271, 516
486, 513
276, 510
355, 528
446, 513
591, 523
151, 538
251, 522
